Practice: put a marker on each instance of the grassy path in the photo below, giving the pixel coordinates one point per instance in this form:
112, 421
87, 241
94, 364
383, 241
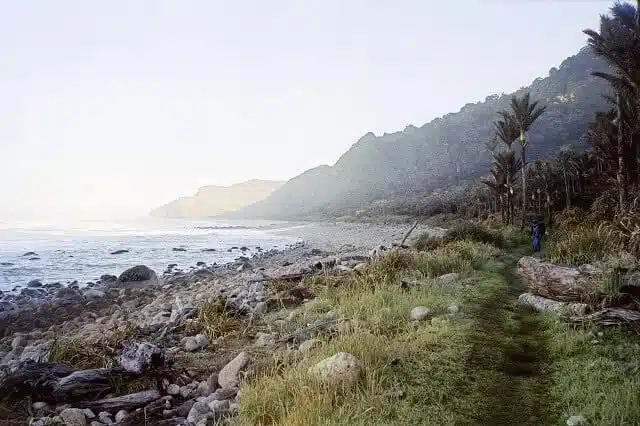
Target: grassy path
509, 352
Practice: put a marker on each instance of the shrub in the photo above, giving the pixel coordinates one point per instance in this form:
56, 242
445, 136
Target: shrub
577, 246
426, 241
471, 231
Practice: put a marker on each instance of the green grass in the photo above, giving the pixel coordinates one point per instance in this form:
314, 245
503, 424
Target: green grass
595, 376
492, 363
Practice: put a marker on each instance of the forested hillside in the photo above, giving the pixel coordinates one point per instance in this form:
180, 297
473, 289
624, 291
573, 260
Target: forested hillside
443, 153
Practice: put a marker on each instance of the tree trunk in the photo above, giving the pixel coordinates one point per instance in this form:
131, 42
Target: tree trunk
523, 143
542, 304
559, 282
622, 190
566, 187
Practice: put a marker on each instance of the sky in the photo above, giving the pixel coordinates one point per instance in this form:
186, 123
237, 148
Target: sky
108, 109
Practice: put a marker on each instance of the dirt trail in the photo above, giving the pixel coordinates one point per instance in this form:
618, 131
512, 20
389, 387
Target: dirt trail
509, 354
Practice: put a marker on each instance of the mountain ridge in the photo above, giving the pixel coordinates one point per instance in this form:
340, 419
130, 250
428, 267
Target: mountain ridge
445, 151
213, 200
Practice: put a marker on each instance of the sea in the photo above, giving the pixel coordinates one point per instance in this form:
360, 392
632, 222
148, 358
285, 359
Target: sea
82, 250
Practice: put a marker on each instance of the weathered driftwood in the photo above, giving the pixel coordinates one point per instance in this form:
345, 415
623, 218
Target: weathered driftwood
138, 358
286, 277
558, 282
125, 402
52, 382
86, 383
616, 316
406, 235
542, 304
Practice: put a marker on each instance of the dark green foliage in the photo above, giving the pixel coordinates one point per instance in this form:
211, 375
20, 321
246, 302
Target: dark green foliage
472, 231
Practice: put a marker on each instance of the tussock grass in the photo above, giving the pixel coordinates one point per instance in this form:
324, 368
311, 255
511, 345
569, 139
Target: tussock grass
215, 320
595, 376
79, 353
503, 237
415, 373
578, 245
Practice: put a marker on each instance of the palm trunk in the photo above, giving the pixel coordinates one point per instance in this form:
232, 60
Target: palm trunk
622, 195
523, 143
566, 188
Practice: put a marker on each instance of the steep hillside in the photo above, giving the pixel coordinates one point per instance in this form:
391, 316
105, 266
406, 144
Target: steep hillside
448, 150
214, 200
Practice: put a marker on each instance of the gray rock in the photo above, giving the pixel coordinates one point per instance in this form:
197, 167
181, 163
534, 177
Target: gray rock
105, 418
219, 408
192, 344
34, 284
203, 389
577, 421
173, 389
419, 313
342, 369
212, 381
261, 308
186, 392
265, 339
139, 277
229, 376
73, 417
88, 413
453, 309
93, 293
223, 394
448, 279
18, 341
96, 423
307, 345
198, 412
121, 415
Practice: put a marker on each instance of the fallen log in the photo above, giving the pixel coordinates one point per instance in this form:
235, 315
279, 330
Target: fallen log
125, 402
616, 317
54, 382
559, 282
542, 304
286, 277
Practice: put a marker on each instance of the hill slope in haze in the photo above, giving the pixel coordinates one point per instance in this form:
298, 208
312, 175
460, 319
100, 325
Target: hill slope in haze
446, 151
215, 200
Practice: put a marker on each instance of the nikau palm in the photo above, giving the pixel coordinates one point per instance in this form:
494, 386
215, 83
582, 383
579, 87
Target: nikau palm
618, 42
524, 113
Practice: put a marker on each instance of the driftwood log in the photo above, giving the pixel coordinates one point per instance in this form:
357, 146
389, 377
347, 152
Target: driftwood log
55, 382
558, 282
615, 317
406, 235
286, 277
542, 304
125, 402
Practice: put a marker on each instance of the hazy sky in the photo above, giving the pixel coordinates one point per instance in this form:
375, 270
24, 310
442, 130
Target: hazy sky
110, 108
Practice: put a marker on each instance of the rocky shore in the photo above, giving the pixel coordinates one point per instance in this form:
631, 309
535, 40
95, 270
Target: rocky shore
175, 321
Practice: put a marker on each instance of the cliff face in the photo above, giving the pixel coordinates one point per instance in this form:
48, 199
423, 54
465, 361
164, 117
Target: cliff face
444, 152
214, 200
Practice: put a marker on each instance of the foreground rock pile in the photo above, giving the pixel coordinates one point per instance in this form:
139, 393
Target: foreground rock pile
180, 373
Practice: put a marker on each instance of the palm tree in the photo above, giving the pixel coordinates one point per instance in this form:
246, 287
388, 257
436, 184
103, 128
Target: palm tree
525, 113
618, 42
568, 162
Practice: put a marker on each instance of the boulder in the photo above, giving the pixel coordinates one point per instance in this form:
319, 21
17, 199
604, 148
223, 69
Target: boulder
139, 277
73, 417
419, 313
229, 376
342, 369
265, 339
448, 279
577, 421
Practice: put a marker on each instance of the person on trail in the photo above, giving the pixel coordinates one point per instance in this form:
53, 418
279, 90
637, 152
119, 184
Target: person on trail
537, 230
